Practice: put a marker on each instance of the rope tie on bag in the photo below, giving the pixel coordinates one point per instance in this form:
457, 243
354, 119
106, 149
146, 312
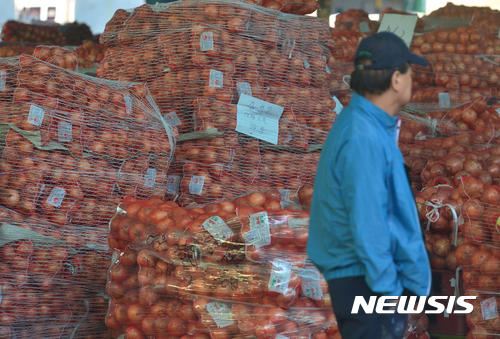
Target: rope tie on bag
433, 216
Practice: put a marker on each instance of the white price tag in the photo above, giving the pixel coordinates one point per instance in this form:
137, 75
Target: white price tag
150, 177
56, 197
401, 25
128, 103
173, 183
220, 313
64, 132
217, 228
364, 27
280, 276
311, 286
260, 222
216, 79
3, 80
36, 115
258, 118
172, 119
489, 308
338, 106
251, 237
244, 88
196, 184
444, 100
207, 41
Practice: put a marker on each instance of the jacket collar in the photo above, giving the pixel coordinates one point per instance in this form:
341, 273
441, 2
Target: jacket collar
367, 106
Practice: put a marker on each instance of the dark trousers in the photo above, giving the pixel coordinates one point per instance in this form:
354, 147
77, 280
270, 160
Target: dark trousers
362, 325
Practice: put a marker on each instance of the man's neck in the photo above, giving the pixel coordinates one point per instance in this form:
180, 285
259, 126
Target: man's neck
385, 102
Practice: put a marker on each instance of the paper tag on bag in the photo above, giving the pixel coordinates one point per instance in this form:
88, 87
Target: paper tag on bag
338, 106
364, 27
65, 132
326, 65
220, 313
258, 118
196, 184
401, 25
444, 100
128, 104
172, 119
251, 237
260, 222
150, 177
56, 197
173, 183
244, 88
489, 308
311, 286
36, 115
216, 79
280, 276
217, 228
3, 80
206, 41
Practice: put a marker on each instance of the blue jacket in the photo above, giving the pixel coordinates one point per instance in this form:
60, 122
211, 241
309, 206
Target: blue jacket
364, 220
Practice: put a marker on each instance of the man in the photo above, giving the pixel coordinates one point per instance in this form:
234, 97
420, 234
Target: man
364, 231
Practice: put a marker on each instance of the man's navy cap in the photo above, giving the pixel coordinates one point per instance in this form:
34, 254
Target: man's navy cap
385, 50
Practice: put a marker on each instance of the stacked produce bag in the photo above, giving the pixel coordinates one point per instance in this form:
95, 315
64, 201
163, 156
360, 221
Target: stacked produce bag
231, 269
72, 147
198, 71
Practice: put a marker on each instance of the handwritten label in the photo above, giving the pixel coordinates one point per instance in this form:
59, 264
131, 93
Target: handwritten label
401, 25
489, 308
260, 222
244, 88
444, 100
280, 276
216, 79
217, 228
56, 197
173, 183
220, 313
364, 27
36, 115
150, 177
3, 80
64, 132
258, 118
128, 104
311, 286
196, 184
207, 41
172, 119
338, 106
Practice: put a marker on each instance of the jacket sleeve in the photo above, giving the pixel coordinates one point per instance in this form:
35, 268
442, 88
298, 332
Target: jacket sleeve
363, 169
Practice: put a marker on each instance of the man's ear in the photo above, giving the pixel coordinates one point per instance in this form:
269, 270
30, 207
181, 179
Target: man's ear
396, 81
